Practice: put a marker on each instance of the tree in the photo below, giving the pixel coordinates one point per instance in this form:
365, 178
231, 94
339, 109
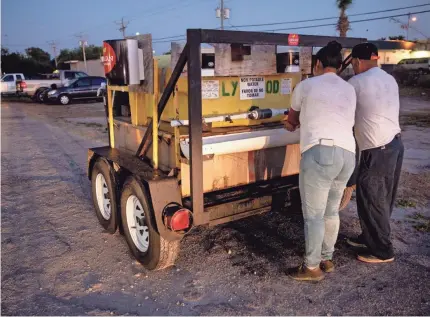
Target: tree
398, 37
343, 22
91, 52
382, 39
38, 55
34, 62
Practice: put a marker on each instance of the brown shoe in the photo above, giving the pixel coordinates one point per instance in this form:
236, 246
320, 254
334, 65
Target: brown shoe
370, 258
327, 266
302, 273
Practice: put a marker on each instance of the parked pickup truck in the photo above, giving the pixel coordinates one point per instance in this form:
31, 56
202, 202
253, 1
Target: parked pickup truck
34, 88
8, 83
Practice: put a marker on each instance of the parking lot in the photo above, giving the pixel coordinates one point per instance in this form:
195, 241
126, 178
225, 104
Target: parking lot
57, 260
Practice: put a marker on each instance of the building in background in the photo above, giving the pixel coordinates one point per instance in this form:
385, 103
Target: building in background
392, 52
94, 67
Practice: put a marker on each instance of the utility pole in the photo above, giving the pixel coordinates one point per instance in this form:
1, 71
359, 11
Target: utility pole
222, 13
122, 26
407, 28
83, 43
53, 45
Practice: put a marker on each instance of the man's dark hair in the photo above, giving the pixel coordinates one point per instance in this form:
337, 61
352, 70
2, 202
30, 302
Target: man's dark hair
330, 55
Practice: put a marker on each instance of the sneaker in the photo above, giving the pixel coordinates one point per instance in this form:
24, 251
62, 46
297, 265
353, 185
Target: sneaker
370, 258
302, 273
356, 242
327, 266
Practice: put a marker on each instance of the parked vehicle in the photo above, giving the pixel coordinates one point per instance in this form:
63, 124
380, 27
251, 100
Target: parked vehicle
420, 65
8, 83
37, 87
81, 88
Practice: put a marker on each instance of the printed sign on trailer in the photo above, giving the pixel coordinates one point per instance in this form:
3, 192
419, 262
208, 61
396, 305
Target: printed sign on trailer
210, 89
252, 88
108, 58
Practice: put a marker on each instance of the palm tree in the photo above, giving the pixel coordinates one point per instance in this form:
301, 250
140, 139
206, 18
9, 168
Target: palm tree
343, 22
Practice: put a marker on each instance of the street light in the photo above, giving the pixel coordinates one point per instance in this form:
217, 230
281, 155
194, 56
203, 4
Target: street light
414, 19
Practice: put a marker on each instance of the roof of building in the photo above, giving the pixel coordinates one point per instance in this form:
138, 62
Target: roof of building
394, 45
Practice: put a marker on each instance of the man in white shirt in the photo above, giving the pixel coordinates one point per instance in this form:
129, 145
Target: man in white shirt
324, 107
377, 132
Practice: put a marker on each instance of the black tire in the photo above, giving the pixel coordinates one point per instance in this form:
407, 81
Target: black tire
108, 221
64, 101
160, 253
38, 95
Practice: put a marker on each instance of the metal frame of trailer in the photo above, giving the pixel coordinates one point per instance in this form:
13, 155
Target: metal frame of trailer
163, 189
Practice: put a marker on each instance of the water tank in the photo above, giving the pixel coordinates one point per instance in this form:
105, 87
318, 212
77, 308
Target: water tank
121, 61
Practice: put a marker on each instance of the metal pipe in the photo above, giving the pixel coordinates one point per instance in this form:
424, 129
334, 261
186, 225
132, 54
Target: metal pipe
257, 114
243, 142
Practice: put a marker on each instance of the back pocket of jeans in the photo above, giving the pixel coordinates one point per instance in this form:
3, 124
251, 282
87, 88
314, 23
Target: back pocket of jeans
324, 155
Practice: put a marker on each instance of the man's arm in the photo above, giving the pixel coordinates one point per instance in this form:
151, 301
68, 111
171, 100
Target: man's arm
292, 120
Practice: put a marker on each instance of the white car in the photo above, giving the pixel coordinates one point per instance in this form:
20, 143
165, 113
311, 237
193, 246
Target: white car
420, 65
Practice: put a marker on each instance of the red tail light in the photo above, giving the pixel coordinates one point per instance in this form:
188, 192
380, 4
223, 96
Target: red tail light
23, 84
177, 218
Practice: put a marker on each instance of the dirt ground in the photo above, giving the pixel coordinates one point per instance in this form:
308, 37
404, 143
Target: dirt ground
57, 260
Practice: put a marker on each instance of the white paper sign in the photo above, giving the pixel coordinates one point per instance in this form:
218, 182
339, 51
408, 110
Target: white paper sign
286, 86
252, 88
210, 89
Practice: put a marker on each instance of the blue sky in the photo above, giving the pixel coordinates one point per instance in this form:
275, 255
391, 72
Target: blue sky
32, 23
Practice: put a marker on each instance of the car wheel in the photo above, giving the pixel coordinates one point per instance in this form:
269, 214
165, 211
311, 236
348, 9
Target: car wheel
64, 99
145, 243
41, 97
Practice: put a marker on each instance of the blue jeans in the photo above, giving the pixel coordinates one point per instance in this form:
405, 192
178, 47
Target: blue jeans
324, 172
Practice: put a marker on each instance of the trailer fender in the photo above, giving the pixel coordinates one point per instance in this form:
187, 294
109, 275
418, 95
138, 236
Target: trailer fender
164, 191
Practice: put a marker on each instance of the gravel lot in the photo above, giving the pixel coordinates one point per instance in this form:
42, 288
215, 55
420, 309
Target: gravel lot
57, 260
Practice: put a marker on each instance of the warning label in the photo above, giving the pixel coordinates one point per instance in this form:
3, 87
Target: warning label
252, 88
210, 89
286, 86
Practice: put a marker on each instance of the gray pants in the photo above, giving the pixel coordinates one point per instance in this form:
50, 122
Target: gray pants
324, 172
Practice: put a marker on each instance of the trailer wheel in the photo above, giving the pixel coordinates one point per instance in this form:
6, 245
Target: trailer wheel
147, 246
104, 196
346, 197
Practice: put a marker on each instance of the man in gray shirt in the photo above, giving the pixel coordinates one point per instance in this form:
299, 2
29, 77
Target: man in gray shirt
377, 133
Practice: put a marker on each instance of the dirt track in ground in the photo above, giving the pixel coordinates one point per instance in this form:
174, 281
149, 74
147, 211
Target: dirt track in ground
57, 260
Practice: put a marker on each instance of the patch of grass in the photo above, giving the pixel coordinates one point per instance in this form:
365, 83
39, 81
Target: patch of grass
419, 216
421, 222
405, 203
419, 120
91, 124
423, 227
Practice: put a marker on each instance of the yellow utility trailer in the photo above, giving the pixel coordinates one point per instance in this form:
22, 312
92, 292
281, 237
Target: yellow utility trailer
198, 140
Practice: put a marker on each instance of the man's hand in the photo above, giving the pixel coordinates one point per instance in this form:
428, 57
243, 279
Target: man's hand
289, 126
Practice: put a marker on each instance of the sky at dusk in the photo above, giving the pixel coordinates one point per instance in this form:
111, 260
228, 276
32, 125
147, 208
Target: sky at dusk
28, 23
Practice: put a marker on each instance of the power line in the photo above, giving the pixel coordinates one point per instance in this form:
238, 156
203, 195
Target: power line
356, 21
182, 37
328, 18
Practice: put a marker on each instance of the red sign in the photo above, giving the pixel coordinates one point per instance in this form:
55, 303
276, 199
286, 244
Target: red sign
293, 39
108, 58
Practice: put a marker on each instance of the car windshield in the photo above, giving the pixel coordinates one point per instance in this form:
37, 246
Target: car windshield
70, 82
